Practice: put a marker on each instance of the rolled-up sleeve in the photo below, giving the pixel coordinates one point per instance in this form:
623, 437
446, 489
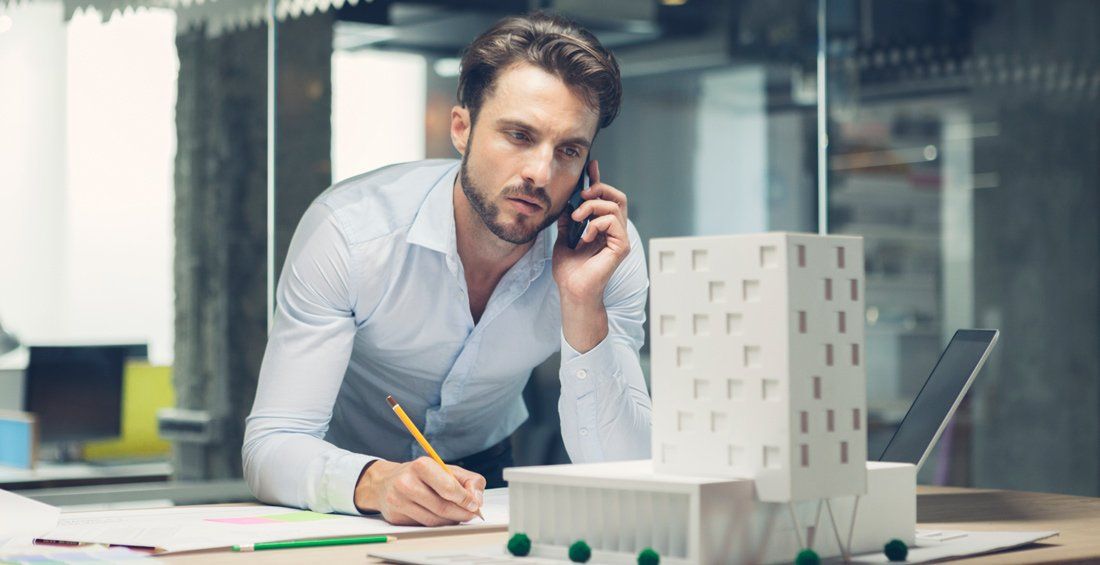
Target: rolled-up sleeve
286, 460
604, 406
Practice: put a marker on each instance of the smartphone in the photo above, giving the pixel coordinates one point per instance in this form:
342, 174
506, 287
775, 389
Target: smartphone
576, 229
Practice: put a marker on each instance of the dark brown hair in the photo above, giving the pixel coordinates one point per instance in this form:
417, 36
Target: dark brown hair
552, 43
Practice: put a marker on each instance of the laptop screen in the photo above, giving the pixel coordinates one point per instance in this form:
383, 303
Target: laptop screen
933, 405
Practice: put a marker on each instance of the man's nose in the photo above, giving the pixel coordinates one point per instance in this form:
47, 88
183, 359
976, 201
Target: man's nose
539, 166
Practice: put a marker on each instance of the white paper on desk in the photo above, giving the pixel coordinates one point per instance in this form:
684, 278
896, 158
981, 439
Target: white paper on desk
37, 554
22, 518
955, 545
170, 530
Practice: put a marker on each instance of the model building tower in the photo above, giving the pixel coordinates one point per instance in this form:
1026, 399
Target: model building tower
757, 362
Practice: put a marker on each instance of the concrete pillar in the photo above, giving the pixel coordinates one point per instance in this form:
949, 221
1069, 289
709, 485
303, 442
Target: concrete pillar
220, 238
221, 212
303, 153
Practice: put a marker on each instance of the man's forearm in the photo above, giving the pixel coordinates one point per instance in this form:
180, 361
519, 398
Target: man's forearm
583, 322
296, 469
604, 405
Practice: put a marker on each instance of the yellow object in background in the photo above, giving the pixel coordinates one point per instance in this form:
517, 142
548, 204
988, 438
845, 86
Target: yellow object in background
145, 389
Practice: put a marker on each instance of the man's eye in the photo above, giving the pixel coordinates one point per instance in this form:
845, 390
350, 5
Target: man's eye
518, 136
571, 152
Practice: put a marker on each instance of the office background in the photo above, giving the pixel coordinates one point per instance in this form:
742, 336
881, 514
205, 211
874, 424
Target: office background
139, 205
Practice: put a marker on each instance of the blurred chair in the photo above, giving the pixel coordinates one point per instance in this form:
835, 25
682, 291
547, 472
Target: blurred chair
145, 389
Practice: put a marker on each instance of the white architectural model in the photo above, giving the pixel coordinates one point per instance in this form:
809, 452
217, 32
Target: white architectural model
757, 361
759, 418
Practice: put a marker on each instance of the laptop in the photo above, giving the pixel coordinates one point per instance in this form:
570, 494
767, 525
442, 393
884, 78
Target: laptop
941, 394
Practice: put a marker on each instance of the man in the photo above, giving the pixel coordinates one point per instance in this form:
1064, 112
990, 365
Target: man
430, 282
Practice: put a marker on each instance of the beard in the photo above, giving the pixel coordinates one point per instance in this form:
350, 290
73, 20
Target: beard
524, 230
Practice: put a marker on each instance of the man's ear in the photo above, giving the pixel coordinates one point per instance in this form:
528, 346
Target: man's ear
460, 128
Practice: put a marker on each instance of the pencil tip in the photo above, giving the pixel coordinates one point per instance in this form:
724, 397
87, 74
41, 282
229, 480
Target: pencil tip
393, 403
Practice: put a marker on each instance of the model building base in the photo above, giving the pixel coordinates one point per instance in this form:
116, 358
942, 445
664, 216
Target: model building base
931, 547
621, 508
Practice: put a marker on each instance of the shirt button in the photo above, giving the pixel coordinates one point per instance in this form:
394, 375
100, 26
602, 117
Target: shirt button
584, 431
582, 374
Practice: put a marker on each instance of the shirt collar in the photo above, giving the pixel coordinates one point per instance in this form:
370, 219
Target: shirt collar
434, 225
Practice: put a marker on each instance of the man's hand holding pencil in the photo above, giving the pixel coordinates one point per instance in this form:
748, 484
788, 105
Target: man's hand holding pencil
420, 493
423, 492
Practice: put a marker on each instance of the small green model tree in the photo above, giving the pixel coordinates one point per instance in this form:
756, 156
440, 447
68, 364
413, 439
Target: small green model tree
519, 545
807, 557
579, 552
648, 557
896, 550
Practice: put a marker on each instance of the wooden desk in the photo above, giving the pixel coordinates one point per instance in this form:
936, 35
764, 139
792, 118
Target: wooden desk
1077, 518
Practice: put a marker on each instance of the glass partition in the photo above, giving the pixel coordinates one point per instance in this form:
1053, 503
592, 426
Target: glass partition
963, 143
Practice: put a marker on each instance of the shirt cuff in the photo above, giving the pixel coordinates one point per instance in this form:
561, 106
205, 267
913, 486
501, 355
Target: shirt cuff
580, 371
340, 480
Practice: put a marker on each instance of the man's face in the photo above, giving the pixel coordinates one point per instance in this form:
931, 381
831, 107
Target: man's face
526, 152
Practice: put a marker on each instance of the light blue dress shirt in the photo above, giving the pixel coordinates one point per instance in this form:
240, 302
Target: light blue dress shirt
372, 301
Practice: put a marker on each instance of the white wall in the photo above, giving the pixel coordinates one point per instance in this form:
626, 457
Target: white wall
378, 101
32, 172
86, 177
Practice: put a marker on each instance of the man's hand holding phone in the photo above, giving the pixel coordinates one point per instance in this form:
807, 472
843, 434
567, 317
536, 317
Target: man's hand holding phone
582, 273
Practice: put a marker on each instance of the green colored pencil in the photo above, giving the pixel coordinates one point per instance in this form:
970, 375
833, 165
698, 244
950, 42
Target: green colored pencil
312, 543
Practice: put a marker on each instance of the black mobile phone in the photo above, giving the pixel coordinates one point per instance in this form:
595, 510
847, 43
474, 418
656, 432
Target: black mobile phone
576, 229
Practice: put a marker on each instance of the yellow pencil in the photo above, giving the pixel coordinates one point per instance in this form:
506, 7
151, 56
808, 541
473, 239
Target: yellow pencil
423, 441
